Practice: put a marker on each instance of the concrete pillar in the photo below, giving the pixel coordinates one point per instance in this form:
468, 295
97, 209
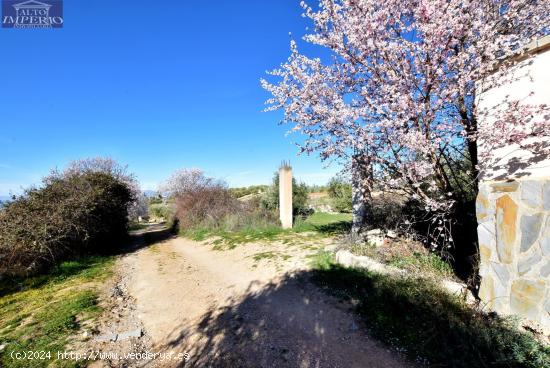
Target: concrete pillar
285, 195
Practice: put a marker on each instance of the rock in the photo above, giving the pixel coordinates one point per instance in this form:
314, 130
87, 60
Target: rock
506, 214
531, 193
545, 238
546, 196
526, 297
484, 253
505, 186
107, 337
486, 236
344, 258
482, 204
348, 259
453, 287
487, 291
134, 333
458, 289
502, 272
375, 237
486, 232
545, 245
484, 269
2, 347
501, 292
545, 271
376, 241
391, 234
530, 229
374, 232
525, 265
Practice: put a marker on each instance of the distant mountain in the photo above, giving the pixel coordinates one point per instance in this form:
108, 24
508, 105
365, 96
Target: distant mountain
3, 199
150, 193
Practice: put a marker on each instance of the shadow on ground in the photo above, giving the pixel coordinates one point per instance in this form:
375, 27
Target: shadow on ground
150, 235
76, 265
335, 228
289, 325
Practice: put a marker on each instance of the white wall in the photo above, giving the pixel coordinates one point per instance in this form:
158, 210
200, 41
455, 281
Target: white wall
533, 76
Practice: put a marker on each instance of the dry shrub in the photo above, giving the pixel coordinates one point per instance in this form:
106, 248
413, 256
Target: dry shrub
71, 214
214, 208
200, 201
385, 252
400, 248
400, 212
252, 216
389, 211
205, 206
206, 203
404, 253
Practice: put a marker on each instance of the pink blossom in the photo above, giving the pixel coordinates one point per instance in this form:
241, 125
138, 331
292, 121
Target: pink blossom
401, 87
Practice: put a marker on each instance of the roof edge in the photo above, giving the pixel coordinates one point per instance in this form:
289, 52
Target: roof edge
538, 45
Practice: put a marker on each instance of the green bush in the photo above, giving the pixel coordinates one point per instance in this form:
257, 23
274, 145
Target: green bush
339, 190
160, 211
204, 205
72, 213
270, 200
155, 199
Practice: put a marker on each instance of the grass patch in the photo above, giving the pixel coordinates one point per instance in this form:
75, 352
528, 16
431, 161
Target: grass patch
230, 239
322, 261
324, 223
429, 325
319, 224
423, 264
40, 313
407, 255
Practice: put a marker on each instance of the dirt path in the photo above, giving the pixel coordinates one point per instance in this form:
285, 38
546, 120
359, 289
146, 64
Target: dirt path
233, 308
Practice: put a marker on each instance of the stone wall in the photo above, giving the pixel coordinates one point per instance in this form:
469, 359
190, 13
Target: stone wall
513, 204
514, 247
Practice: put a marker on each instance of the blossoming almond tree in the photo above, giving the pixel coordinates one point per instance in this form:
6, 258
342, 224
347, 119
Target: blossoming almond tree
400, 89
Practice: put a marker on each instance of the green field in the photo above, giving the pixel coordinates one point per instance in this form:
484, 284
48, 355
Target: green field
318, 224
39, 314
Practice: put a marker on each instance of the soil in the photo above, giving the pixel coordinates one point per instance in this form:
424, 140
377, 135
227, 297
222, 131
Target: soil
251, 306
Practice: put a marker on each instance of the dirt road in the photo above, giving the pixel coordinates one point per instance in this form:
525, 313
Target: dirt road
243, 307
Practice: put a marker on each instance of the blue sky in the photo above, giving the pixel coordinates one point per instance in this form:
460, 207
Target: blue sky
158, 85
